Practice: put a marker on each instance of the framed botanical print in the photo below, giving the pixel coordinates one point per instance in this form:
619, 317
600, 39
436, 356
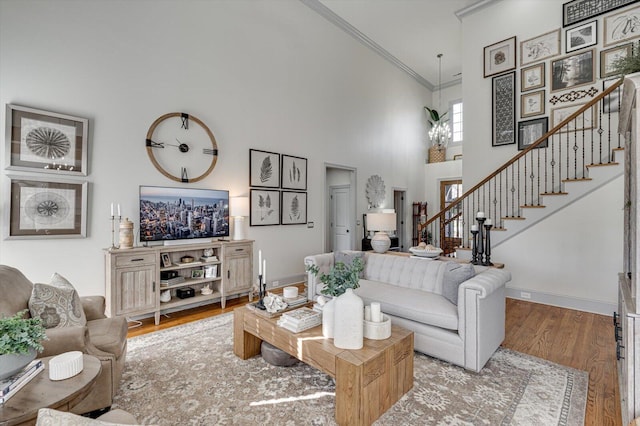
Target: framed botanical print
530, 131
42, 207
573, 71
294, 208
622, 26
504, 109
532, 77
264, 169
532, 103
609, 57
265, 207
587, 120
500, 57
541, 47
46, 142
294, 173
580, 37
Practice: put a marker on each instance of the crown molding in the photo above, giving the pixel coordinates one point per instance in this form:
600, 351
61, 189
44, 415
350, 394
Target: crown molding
332, 17
473, 8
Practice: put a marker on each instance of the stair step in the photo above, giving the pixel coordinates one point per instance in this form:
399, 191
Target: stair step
498, 229
577, 180
618, 149
513, 218
553, 193
528, 206
602, 164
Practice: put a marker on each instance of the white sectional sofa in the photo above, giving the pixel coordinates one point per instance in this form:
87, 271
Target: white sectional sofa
456, 311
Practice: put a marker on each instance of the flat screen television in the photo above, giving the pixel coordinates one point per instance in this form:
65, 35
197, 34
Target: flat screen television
168, 214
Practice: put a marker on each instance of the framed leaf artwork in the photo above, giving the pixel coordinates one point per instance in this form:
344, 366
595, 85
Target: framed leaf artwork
294, 173
294, 208
264, 169
265, 207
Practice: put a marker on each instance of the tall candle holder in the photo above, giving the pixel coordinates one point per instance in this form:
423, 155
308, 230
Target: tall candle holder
474, 248
487, 250
262, 288
480, 246
113, 232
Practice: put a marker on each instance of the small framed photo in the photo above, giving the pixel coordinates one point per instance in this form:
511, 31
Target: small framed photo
532, 103
621, 26
500, 57
211, 271
573, 71
264, 169
197, 273
46, 142
165, 259
611, 102
294, 208
580, 37
265, 207
294, 173
42, 207
609, 57
540, 47
532, 77
587, 120
530, 131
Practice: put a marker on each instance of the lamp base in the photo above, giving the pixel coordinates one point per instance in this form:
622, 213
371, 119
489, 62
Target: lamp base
238, 228
380, 242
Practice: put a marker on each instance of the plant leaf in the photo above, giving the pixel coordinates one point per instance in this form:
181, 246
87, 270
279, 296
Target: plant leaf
266, 169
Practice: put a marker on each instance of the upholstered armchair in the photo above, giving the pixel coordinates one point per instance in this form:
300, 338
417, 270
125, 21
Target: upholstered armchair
105, 338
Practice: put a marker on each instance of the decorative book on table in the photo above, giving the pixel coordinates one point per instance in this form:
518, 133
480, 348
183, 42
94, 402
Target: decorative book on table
300, 319
11, 385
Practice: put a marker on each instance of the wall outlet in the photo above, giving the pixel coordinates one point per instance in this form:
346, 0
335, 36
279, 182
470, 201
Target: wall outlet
525, 295
275, 283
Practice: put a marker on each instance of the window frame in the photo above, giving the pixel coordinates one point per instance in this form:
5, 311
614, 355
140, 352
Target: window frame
451, 104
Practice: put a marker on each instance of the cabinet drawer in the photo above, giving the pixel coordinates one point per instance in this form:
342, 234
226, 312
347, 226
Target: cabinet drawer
135, 259
238, 250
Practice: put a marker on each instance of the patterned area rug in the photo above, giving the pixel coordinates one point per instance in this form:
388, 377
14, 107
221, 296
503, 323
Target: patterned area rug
188, 375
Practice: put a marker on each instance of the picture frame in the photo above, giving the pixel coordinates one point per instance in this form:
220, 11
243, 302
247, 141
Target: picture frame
44, 208
45, 142
500, 57
294, 208
581, 37
165, 259
608, 57
529, 131
580, 10
264, 169
503, 100
532, 77
264, 207
621, 26
294, 173
586, 121
532, 103
573, 70
540, 47
211, 271
197, 274
611, 102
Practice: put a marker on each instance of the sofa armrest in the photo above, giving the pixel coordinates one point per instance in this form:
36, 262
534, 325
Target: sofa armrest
65, 339
324, 262
94, 307
486, 282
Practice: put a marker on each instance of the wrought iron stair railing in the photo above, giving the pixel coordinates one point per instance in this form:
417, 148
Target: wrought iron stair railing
584, 139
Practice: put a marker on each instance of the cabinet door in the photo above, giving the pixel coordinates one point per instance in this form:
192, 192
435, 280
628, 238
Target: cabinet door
238, 274
135, 289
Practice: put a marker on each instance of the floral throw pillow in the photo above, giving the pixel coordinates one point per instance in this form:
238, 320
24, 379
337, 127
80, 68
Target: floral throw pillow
57, 303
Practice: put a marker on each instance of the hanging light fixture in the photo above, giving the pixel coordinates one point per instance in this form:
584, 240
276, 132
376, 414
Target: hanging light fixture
440, 133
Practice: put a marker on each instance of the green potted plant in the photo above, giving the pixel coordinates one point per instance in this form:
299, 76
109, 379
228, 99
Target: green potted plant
20, 340
439, 134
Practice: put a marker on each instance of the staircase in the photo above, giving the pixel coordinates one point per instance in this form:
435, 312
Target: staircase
577, 156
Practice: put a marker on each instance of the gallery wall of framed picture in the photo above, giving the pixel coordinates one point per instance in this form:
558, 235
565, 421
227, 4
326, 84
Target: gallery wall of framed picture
565, 67
278, 189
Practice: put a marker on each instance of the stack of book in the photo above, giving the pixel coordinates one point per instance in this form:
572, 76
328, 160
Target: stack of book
171, 281
300, 319
298, 301
11, 385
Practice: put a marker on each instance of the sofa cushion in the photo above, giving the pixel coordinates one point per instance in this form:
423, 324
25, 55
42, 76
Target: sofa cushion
57, 303
413, 304
109, 334
454, 275
402, 271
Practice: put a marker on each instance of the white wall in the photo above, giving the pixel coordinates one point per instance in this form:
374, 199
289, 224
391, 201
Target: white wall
265, 75
575, 255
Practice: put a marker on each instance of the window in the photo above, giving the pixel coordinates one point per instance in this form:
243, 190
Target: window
456, 121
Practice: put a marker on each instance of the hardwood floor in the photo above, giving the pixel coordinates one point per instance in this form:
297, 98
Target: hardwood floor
573, 338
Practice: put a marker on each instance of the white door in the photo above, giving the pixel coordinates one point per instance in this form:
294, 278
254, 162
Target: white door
340, 232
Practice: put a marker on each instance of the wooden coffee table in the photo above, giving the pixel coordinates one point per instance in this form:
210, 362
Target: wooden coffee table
41, 392
368, 380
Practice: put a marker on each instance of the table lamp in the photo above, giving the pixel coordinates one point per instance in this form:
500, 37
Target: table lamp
382, 223
239, 207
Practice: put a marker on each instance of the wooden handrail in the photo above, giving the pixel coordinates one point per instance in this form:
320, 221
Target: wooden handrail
524, 152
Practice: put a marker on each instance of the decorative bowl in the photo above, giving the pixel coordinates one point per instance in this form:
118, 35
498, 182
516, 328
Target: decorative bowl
187, 259
417, 251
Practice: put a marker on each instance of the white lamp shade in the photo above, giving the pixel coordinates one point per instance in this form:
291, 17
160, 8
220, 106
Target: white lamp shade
239, 206
381, 222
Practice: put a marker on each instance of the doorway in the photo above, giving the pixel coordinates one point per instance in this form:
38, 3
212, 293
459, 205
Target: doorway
451, 229
399, 196
340, 223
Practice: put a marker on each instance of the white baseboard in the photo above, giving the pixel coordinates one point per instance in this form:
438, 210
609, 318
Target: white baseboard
579, 304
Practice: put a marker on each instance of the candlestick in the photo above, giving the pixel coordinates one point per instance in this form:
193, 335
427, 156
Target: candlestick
487, 251
474, 248
113, 231
260, 303
480, 237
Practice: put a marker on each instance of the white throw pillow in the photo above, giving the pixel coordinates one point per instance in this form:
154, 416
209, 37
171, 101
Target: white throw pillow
454, 275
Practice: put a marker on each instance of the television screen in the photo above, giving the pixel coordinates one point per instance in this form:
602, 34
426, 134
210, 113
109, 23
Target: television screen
182, 213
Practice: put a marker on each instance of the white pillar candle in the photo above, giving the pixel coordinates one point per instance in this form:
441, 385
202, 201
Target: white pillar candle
111, 209
367, 313
264, 271
474, 227
480, 215
259, 262
119, 210
376, 314
488, 222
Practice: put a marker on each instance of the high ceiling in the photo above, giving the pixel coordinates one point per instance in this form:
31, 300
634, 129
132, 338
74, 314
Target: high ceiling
413, 31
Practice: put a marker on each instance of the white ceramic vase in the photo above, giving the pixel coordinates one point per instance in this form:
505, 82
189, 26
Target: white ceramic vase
349, 321
328, 311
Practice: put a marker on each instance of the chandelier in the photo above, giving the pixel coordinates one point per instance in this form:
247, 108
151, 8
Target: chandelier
440, 133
